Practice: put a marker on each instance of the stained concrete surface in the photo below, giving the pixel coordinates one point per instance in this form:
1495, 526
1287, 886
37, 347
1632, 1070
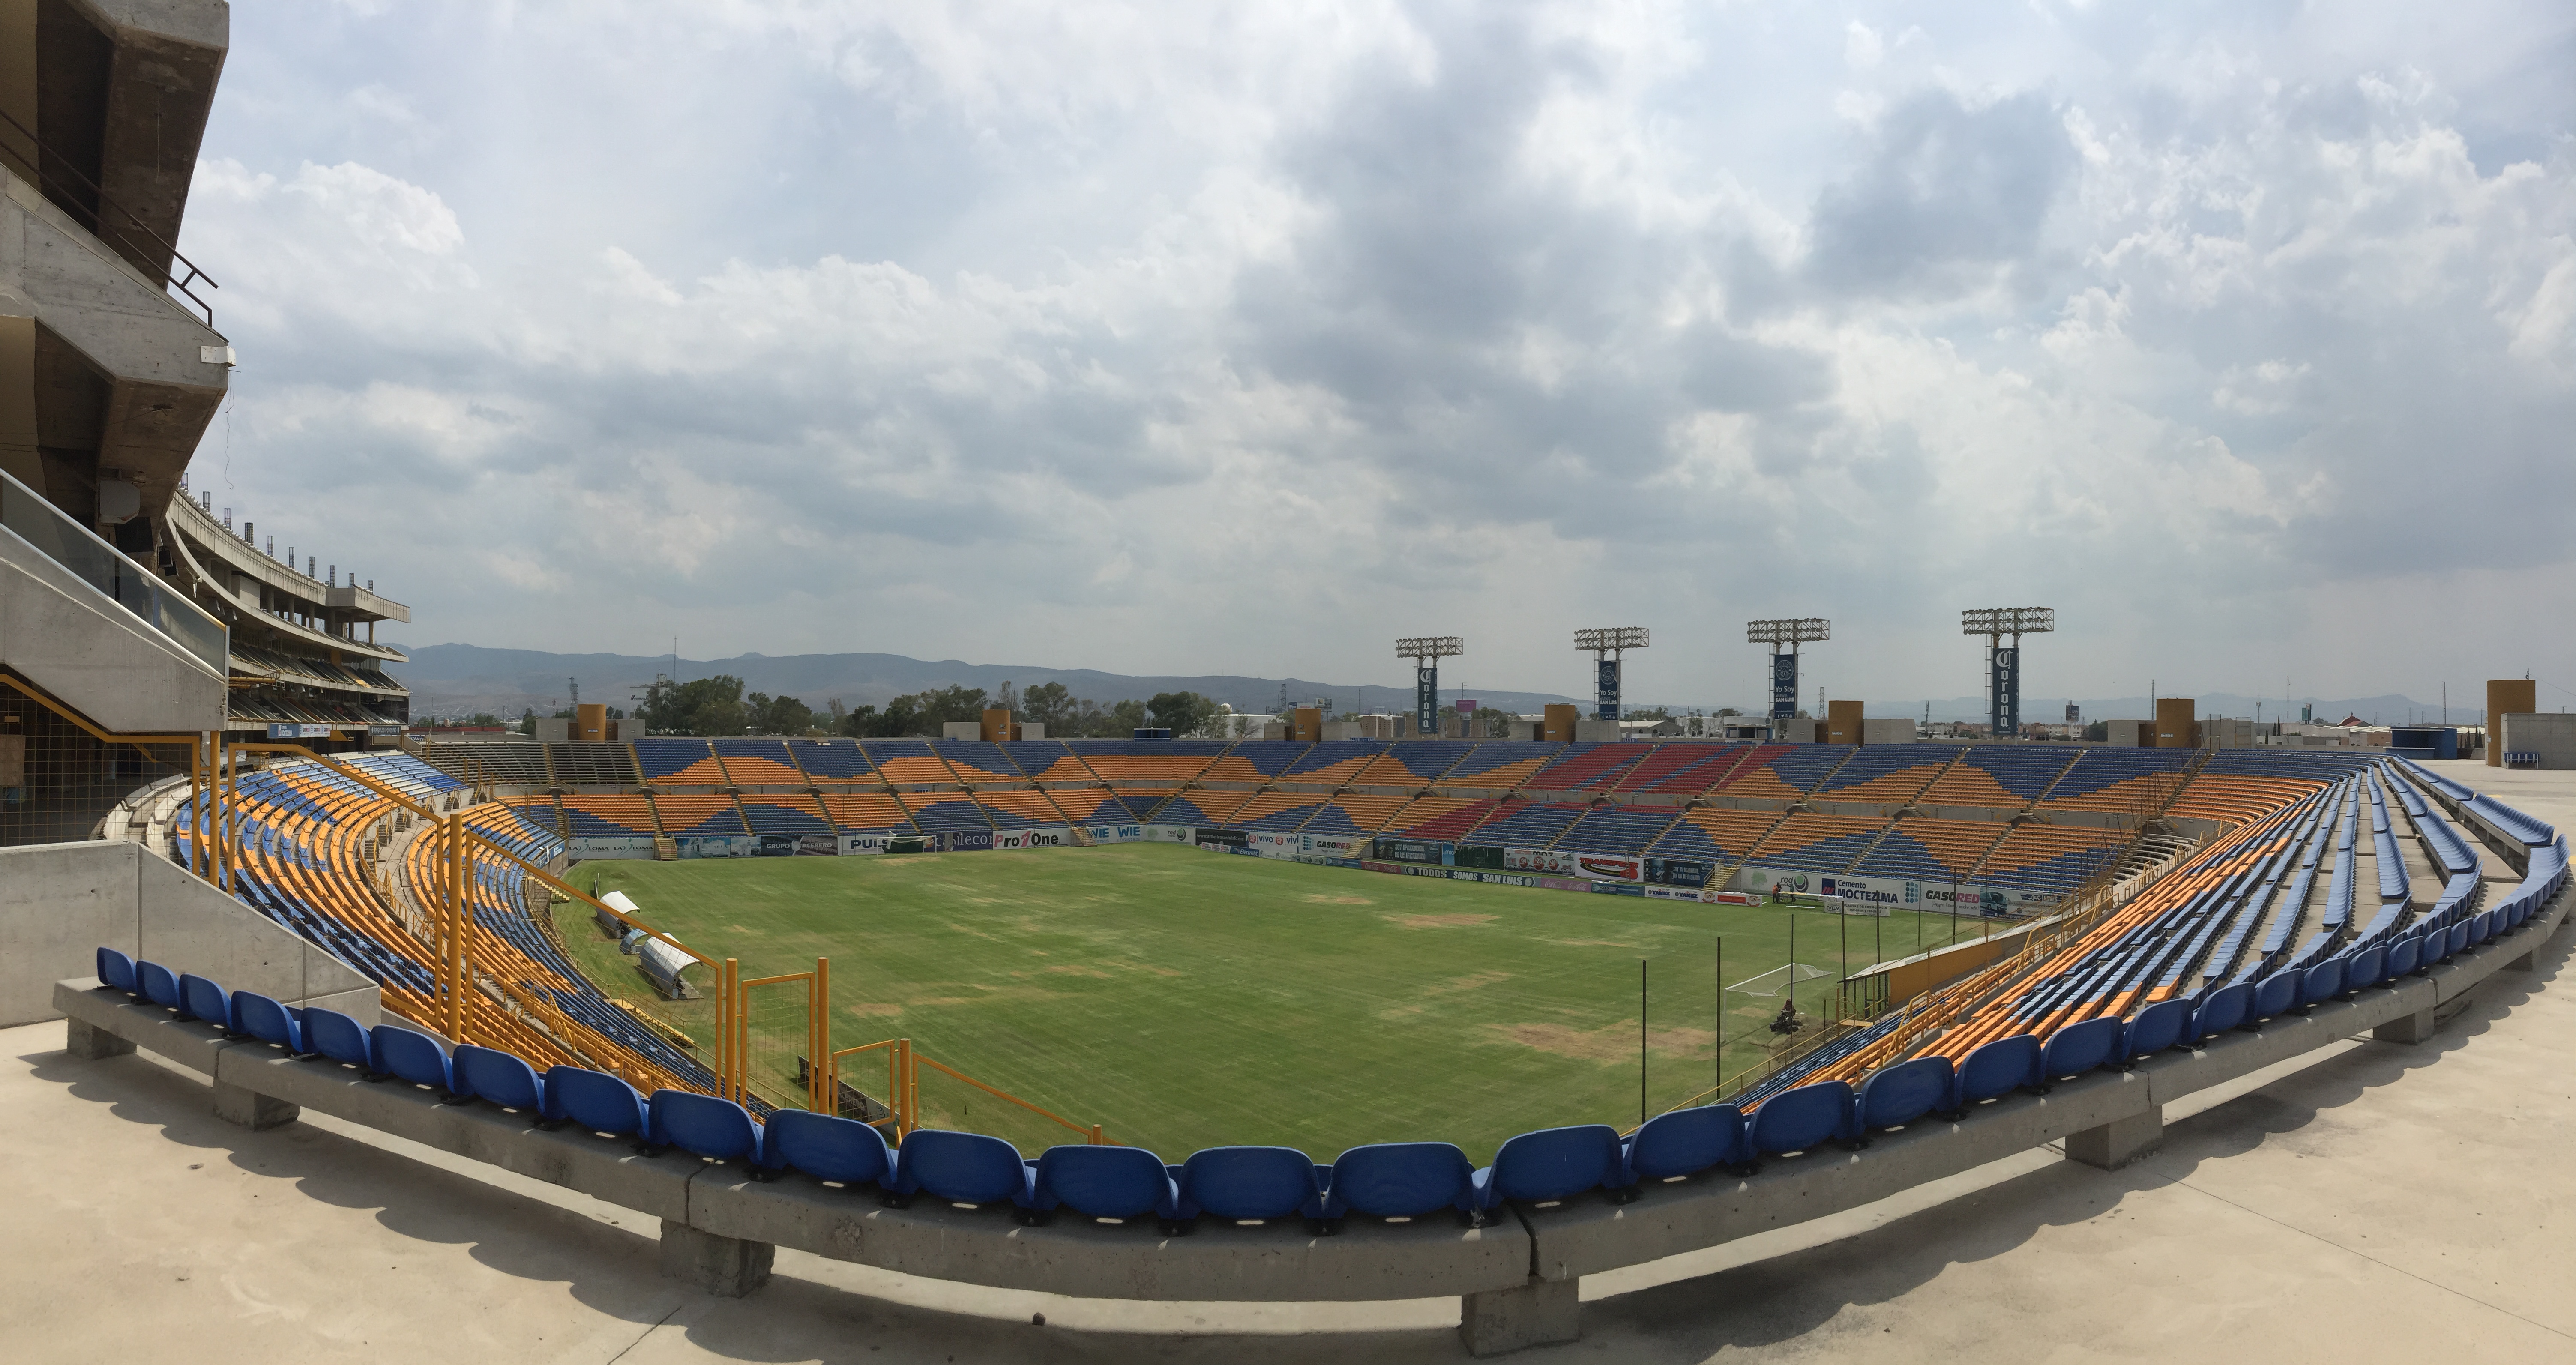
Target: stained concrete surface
2383, 1202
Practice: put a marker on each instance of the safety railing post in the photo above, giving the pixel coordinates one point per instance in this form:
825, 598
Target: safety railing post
829, 1101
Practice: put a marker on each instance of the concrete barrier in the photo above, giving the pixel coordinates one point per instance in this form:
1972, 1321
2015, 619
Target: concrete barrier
60, 903
1516, 1279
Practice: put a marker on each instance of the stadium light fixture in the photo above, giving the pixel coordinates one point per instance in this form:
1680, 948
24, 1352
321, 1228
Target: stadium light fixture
2003, 661
1792, 631
1606, 642
1427, 651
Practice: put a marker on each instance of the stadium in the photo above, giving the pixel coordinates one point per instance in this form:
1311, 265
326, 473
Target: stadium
1294, 1043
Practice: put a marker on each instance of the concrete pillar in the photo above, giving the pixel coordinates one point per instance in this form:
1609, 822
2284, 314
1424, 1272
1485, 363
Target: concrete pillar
727, 1267
2410, 1028
2119, 1142
1539, 1313
2528, 962
92, 1044
250, 1109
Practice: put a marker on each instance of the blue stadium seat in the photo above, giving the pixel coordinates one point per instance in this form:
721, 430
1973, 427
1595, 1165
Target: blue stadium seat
413, 1057
2079, 1048
827, 1147
1555, 1163
115, 970
1105, 1182
594, 1102
2157, 1027
2403, 955
1804, 1119
960, 1168
1686, 1142
702, 1125
2368, 968
1402, 1180
2453, 942
257, 1016
157, 984
203, 1000
2321, 982
334, 1036
2228, 1007
1895, 1096
2276, 994
1252, 1183
498, 1077
2482, 926
1999, 1068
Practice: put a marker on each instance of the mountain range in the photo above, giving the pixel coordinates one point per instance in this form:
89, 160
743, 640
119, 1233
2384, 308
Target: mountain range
459, 679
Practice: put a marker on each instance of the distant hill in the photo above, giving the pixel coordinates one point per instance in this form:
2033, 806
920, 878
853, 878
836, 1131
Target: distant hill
454, 679
462, 679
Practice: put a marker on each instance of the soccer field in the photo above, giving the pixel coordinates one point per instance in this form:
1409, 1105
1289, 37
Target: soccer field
1187, 999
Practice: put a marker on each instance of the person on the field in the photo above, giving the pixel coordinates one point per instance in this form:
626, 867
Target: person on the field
1786, 1022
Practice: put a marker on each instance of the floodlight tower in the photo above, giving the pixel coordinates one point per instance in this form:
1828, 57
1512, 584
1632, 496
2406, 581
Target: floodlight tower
2003, 661
1426, 652
1605, 643
1791, 631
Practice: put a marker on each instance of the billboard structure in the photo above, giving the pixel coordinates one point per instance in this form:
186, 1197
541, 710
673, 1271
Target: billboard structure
1427, 651
2003, 661
1606, 643
1791, 631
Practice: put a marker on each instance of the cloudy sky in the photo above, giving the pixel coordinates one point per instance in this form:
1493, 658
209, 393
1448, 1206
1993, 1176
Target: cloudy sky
1242, 338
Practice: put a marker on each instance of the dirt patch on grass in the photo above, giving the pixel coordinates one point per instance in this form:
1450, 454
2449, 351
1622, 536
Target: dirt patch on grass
1069, 969
1588, 943
1456, 984
1611, 1042
1453, 921
871, 1009
1339, 900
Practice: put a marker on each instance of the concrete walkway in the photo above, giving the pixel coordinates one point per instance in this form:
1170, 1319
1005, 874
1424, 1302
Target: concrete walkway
2384, 1203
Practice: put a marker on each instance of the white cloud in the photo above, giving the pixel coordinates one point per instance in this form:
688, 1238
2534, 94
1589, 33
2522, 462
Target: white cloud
1217, 338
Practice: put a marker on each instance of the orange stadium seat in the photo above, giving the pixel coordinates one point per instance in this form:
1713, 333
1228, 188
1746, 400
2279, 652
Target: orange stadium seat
699, 815
865, 812
609, 815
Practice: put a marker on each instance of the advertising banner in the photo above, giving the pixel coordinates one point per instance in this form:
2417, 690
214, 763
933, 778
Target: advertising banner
1887, 891
1413, 850
1342, 848
1784, 686
1487, 859
1219, 838
1608, 683
1117, 834
2005, 715
583, 846
718, 845
1177, 834
1054, 836
853, 845
798, 845
1677, 872
1268, 843
291, 730
968, 841
1538, 860
1943, 898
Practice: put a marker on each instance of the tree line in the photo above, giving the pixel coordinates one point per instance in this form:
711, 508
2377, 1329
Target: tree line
718, 706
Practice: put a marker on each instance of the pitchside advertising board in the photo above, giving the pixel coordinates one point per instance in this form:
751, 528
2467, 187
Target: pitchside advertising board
1897, 893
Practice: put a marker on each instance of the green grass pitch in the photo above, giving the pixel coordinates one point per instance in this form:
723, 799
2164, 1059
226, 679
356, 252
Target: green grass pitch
1187, 999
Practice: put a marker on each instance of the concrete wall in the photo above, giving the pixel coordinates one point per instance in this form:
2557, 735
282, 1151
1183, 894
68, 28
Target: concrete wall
2177, 725
2505, 697
1594, 730
59, 903
79, 644
1898, 731
1843, 723
2552, 735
